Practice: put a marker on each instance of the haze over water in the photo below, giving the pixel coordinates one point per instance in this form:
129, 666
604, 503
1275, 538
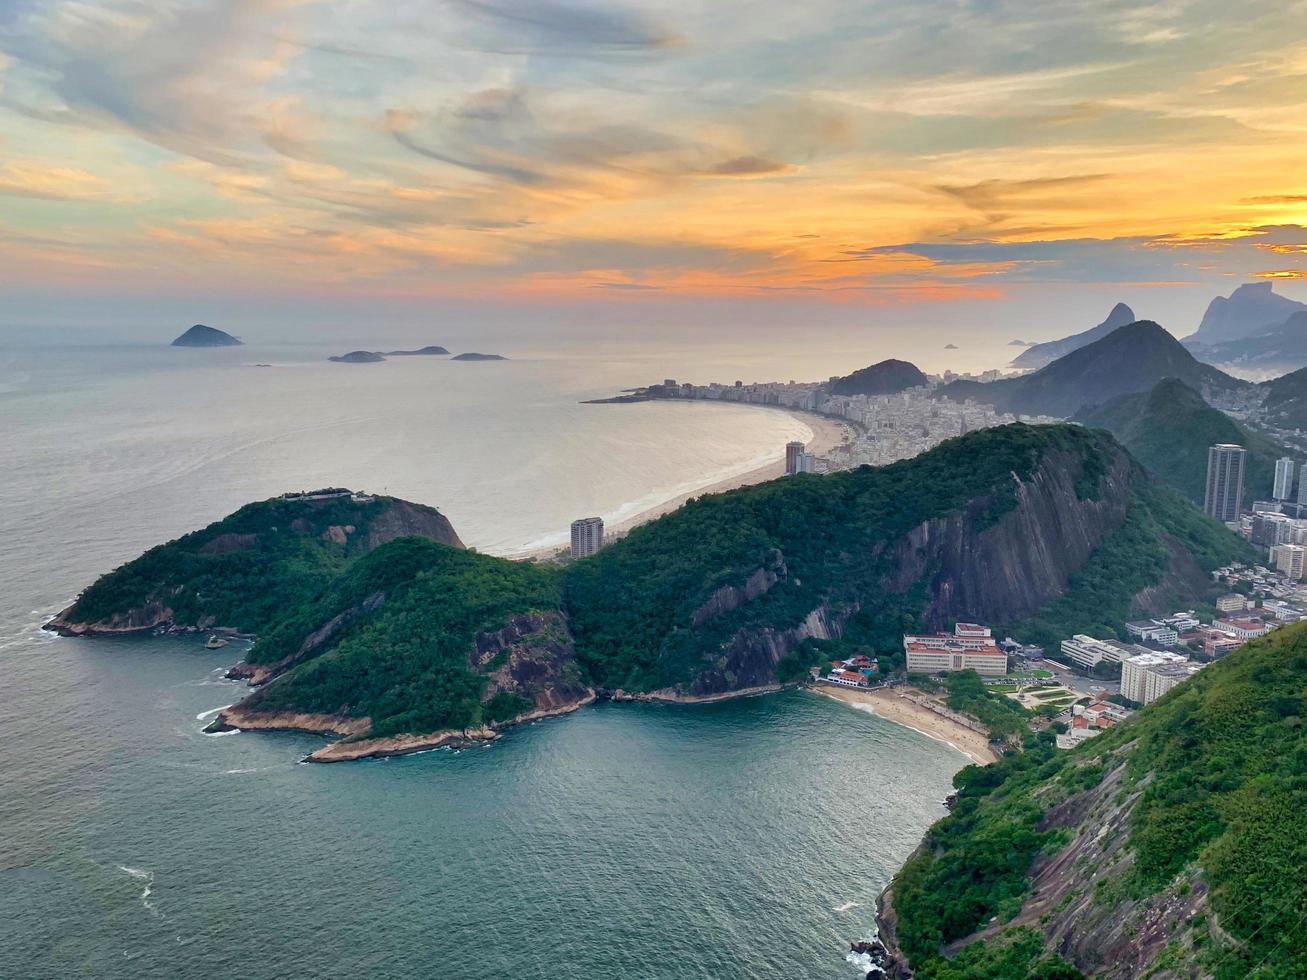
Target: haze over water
620, 841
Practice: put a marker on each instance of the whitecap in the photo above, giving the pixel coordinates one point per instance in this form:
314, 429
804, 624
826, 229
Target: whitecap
846, 906
147, 877
212, 711
230, 731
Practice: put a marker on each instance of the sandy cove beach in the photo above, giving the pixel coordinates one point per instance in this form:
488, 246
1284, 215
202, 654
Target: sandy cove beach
827, 434
889, 704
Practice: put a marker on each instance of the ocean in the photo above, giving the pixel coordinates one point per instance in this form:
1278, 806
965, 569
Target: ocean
743, 839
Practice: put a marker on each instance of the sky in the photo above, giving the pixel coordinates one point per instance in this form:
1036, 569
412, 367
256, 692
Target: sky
723, 165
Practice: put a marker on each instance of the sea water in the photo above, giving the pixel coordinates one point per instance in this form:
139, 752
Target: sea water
743, 839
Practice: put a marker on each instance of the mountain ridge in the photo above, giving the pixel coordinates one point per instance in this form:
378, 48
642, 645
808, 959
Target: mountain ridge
1040, 355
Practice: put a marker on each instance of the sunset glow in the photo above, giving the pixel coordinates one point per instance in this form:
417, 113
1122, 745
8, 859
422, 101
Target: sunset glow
833, 152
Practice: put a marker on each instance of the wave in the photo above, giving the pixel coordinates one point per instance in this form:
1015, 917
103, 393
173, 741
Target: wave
846, 906
140, 874
230, 731
212, 711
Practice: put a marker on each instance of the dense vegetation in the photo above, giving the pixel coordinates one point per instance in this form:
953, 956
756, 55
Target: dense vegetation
632, 605
1221, 767
405, 663
1001, 715
1286, 400
1169, 430
1130, 359
244, 571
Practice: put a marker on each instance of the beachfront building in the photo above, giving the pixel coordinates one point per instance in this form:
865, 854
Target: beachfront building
1147, 677
587, 536
968, 647
793, 458
848, 678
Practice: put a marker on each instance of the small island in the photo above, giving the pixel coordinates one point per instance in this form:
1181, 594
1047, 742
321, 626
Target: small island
358, 357
479, 357
429, 350
202, 336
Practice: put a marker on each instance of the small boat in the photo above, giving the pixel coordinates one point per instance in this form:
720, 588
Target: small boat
215, 642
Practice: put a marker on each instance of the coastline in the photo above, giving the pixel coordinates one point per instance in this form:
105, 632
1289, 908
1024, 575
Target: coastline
827, 433
888, 704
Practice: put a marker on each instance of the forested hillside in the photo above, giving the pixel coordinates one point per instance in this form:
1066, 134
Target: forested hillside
1168, 846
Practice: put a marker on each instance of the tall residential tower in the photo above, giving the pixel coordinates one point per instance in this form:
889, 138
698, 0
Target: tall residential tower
1283, 479
1224, 482
587, 536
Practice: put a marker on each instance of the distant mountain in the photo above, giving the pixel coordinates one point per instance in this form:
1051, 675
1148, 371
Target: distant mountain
884, 378
202, 336
1285, 403
431, 349
1251, 309
1281, 348
1169, 430
358, 357
473, 356
1130, 359
1039, 355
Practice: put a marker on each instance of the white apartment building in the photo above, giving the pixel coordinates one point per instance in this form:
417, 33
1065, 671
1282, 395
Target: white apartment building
1088, 652
1233, 602
1153, 631
1241, 629
1283, 478
1290, 560
1147, 677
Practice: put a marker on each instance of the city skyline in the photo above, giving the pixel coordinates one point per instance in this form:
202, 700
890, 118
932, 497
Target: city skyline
839, 163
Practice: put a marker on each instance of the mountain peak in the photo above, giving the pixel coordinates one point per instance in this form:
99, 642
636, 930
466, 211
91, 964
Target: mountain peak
202, 336
1252, 308
1040, 355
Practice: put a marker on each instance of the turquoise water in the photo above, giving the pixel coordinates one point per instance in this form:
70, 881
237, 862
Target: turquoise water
744, 839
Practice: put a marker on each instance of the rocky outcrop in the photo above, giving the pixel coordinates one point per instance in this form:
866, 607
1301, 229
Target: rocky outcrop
730, 597
349, 750
534, 657
239, 717
316, 642
403, 518
748, 661
151, 616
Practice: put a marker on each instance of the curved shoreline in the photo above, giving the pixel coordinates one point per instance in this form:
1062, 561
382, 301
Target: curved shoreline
828, 432
885, 704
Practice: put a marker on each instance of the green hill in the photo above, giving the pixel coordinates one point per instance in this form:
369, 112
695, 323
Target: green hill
1170, 428
1130, 359
1171, 845
1285, 403
1047, 529
884, 378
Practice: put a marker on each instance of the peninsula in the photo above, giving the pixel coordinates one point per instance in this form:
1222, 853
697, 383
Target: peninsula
202, 336
375, 624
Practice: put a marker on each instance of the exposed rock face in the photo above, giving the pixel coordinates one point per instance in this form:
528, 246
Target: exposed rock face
403, 518
1011, 569
730, 597
239, 717
533, 656
1251, 309
748, 662
148, 617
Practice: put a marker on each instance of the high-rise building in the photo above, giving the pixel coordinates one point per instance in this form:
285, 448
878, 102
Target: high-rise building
1224, 482
1147, 677
1302, 485
793, 458
587, 536
1283, 479
1290, 559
